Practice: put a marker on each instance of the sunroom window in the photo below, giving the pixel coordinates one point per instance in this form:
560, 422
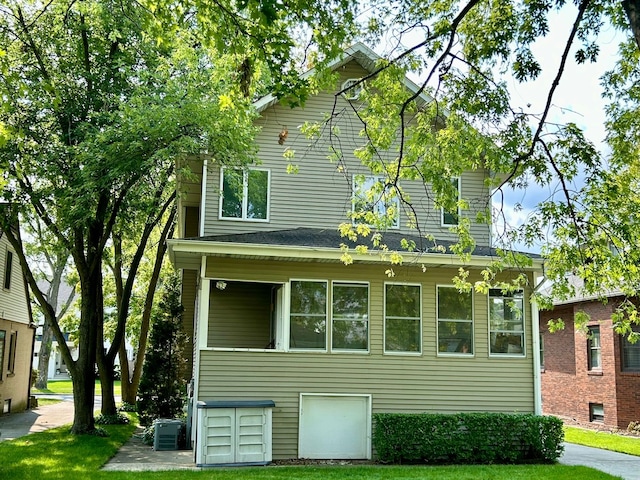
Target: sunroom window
455, 321
506, 322
350, 316
308, 315
402, 318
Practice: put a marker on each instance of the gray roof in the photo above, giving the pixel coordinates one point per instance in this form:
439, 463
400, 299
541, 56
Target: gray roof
331, 238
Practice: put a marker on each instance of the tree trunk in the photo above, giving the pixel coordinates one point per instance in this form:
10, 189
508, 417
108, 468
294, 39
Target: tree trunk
106, 369
632, 10
43, 357
129, 388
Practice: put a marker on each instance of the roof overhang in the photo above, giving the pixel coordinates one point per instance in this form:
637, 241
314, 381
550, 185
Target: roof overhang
188, 253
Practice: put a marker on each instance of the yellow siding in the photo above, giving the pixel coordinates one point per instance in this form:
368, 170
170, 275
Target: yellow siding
13, 301
397, 383
318, 195
188, 299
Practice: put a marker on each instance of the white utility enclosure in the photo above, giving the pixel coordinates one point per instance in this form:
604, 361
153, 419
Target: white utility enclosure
234, 433
335, 426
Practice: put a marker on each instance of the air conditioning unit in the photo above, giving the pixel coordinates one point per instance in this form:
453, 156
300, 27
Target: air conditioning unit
166, 434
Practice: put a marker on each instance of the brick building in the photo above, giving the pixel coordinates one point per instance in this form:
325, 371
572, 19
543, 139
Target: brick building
591, 377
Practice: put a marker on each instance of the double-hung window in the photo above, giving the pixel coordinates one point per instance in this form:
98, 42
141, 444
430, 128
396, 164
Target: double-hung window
593, 348
244, 194
506, 322
13, 346
402, 318
374, 202
308, 315
631, 353
455, 321
450, 217
350, 316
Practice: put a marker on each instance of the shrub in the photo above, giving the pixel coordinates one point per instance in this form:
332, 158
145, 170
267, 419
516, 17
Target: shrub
117, 419
467, 438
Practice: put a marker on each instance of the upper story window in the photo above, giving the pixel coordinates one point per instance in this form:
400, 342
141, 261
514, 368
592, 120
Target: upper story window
308, 315
350, 316
245, 194
455, 321
373, 203
8, 266
506, 323
402, 318
352, 88
593, 348
631, 353
452, 218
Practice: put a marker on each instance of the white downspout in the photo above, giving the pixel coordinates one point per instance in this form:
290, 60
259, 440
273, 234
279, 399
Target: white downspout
535, 326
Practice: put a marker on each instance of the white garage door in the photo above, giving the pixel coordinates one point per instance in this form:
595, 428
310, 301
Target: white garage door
335, 426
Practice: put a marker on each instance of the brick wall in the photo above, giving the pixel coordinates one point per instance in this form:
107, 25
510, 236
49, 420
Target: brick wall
568, 387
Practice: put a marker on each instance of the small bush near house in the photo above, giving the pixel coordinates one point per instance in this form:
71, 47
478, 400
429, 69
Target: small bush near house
467, 438
634, 427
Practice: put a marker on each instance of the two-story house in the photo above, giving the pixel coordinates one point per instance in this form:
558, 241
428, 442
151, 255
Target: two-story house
293, 349
593, 376
16, 333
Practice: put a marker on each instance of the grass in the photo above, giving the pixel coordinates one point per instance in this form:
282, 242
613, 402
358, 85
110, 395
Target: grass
57, 455
62, 387
605, 440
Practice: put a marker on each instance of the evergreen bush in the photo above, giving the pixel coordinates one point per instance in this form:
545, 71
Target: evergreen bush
162, 390
467, 438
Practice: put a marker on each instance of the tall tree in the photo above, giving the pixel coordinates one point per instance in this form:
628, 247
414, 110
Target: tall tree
94, 115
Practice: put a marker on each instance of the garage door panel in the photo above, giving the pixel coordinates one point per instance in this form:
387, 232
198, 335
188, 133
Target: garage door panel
335, 426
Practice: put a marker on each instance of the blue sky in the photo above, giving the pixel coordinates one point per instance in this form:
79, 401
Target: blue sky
577, 99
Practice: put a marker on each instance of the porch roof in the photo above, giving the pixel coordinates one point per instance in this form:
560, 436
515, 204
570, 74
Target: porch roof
324, 245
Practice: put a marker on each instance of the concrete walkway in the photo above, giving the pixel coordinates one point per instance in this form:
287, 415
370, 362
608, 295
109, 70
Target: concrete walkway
613, 463
15, 425
135, 455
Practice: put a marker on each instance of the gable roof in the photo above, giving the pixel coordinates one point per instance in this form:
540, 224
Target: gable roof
322, 245
358, 52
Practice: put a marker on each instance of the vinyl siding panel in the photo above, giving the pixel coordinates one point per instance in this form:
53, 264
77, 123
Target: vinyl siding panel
13, 301
319, 194
397, 383
188, 299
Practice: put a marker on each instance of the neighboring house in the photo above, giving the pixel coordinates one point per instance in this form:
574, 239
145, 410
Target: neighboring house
293, 349
590, 377
56, 367
16, 333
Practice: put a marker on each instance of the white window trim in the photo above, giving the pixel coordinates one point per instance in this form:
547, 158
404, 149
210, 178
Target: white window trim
442, 211
384, 321
393, 226
330, 337
472, 321
524, 330
245, 196
287, 313
354, 92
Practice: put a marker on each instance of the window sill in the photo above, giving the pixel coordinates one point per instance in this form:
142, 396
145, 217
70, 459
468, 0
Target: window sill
594, 373
630, 373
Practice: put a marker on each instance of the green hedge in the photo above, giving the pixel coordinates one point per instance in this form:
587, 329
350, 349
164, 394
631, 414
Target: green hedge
466, 438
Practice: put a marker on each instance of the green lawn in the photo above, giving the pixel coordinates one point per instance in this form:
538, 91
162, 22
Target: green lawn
66, 387
55, 454
605, 440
